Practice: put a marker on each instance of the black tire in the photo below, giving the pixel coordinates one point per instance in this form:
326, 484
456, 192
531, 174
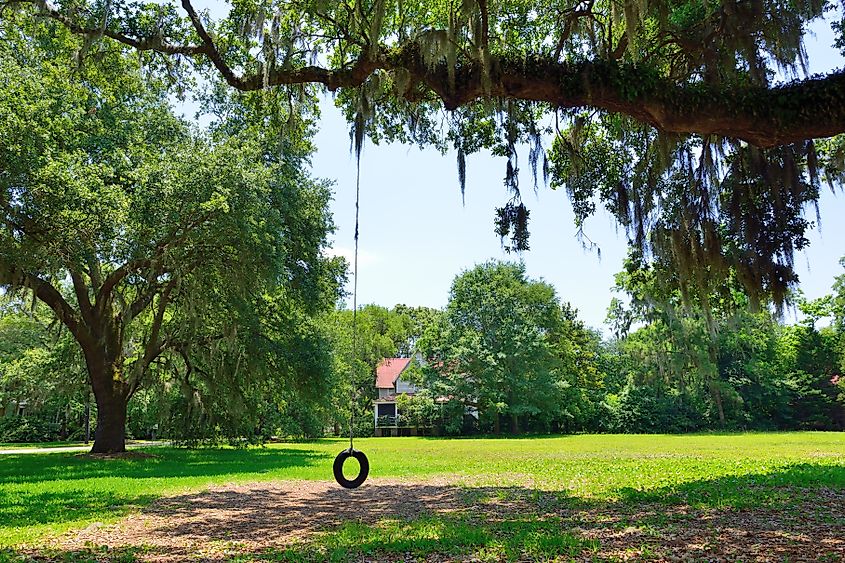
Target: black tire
362, 474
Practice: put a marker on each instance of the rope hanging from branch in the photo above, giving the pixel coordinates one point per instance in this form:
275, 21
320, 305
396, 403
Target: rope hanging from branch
352, 452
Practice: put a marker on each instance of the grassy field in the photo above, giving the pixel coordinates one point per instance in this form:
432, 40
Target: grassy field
9, 446
19, 446
42, 495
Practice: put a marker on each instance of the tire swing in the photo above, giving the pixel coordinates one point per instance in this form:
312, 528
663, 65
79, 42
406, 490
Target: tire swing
362, 474
341, 458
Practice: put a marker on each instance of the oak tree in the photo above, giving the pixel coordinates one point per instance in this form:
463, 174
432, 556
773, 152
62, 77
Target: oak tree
158, 247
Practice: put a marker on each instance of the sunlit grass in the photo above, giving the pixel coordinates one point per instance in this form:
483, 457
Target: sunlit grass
444, 535
45, 494
17, 445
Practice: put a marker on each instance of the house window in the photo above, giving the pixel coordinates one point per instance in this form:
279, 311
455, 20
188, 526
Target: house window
387, 409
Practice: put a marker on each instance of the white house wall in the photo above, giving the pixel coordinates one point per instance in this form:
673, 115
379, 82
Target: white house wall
404, 387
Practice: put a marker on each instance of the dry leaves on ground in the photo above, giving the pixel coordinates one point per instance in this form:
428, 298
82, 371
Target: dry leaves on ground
219, 523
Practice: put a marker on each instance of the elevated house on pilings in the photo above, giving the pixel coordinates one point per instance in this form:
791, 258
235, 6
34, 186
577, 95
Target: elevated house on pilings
390, 385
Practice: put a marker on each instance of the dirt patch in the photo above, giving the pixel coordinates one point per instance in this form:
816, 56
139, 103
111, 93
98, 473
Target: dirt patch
255, 517
222, 522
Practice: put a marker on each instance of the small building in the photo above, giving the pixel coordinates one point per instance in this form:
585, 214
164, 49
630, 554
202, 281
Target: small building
390, 385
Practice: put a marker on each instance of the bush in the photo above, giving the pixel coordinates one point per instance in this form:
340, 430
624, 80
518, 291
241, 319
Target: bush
645, 409
19, 429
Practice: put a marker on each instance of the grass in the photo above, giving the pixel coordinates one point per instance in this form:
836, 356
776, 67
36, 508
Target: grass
510, 540
19, 446
51, 445
45, 494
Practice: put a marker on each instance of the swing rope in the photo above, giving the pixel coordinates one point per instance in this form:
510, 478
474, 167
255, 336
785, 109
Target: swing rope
354, 306
363, 462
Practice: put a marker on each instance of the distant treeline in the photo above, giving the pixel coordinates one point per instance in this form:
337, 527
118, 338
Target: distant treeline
506, 348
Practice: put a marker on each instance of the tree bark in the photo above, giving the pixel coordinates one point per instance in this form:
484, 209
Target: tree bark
514, 424
112, 397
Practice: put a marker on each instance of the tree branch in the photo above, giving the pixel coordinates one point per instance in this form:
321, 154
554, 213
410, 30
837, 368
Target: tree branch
208, 44
177, 236
140, 303
763, 116
150, 43
43, 290
154, 346
82, 297
95, 271
116, 277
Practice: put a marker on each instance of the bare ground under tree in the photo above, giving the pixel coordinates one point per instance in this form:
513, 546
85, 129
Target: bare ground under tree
250, 520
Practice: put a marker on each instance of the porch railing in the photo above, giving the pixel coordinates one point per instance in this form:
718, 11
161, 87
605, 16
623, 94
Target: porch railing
384, 421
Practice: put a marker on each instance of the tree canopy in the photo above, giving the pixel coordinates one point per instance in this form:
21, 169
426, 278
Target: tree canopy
694, 123
506, 346
683, 67
160, 249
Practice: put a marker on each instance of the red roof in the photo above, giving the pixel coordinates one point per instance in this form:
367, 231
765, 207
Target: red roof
388, 370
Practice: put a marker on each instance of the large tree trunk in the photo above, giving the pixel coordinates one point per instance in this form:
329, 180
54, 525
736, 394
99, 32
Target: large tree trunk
112, 396
110, 435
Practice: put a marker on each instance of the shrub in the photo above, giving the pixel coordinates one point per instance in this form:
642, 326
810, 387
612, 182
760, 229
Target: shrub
20, 429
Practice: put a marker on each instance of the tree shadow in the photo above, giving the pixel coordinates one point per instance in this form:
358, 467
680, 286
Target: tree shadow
794, 513
46, 489
767, 489
165, 463
31, 509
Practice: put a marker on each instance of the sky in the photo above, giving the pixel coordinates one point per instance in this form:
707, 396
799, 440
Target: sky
417, 234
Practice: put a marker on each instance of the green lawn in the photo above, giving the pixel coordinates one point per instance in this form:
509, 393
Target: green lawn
51, 445
45, 494
18, 446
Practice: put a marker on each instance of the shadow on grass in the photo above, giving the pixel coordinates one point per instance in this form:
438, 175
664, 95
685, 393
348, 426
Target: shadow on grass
66, 506
510, 540
771, 489
87, 555
797, 513
45, 489
167, 462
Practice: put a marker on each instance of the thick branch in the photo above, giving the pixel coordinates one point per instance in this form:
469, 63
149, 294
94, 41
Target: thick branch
43, 290
765, 117
208, 43
95, 271
82, 297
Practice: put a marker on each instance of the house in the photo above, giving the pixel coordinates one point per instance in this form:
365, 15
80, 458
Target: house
390, 385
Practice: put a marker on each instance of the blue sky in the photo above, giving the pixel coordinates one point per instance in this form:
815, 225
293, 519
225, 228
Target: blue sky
416, 235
